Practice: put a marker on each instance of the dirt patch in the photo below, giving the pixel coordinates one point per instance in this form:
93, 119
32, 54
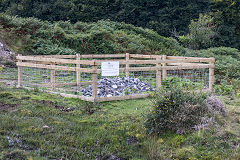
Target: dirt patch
7, 107
59, 107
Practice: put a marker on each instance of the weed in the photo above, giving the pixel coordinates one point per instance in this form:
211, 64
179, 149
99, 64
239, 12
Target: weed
90, 107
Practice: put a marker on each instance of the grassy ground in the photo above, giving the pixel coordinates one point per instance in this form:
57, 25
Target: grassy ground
37, 125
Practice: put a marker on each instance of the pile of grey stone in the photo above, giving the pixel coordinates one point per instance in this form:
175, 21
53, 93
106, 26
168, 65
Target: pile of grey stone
108, 87
6, 56
5, 52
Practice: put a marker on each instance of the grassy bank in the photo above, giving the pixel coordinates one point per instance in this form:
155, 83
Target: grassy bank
37, 125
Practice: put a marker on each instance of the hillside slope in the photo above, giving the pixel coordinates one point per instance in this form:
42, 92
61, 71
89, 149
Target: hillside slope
33, 36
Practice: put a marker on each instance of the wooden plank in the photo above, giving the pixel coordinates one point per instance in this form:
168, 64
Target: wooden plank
121, 61
52, 79
55, 56
94, 83
55, 60
158, 76
127, 64
78, 74
62, 68
20, 78
84, 98
164, 64
98, 62
144, 56
64, 84
184, 64
135, 69
188, 67
103, 56
211, 78
115, 98
200, 59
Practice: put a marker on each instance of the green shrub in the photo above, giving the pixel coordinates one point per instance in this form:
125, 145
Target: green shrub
185, 84
201, 35
176, 110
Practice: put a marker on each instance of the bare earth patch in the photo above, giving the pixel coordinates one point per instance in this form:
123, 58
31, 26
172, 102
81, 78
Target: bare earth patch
7, 107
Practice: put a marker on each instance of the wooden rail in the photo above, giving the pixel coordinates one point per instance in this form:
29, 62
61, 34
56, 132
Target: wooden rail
160, 64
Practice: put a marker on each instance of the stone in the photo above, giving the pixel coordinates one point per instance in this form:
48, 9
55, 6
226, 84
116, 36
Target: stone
108, 87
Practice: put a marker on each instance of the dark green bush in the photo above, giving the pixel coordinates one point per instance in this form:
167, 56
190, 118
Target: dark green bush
176, 110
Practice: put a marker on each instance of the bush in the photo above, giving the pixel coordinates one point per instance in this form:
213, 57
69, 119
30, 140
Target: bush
177, 111
184, 83
201, 33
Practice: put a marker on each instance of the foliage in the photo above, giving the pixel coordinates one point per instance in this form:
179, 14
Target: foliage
176, 110
223, 89
101, 37
201, 33
214, 105
90, 107
37, 129
226, 17
227, 62
168, 18
162, 16
184, 83
231, 88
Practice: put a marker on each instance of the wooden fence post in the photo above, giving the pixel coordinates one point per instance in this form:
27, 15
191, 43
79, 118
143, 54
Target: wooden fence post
19, 73
78, 74
94, 82
127, 64
164, 71
211, 77
158, 74
52, 78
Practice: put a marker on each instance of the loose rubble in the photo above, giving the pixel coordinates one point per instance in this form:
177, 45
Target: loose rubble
5, 53
108, 87
6, 56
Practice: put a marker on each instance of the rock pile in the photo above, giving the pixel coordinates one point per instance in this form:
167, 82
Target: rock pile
5, 53
6, 56
108, 87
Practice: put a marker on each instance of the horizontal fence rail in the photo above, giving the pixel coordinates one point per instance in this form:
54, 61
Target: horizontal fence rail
66, 74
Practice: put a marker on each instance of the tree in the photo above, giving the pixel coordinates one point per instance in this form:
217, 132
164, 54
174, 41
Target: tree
227, 18
201, 33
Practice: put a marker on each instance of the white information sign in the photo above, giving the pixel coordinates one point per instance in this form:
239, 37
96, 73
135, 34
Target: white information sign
110, 68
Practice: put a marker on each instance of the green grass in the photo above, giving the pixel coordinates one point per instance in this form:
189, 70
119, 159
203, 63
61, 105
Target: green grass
44, 126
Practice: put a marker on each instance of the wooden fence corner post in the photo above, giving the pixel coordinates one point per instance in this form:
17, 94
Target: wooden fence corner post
158, 74
164, 70
52, 78
78, 74
211, 77
20, 76
127, 64
94, 81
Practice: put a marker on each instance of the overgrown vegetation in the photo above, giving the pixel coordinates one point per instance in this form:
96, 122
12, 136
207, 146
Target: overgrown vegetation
178, 125
35, 125
30, 35
181, 112
227, 62
168, 17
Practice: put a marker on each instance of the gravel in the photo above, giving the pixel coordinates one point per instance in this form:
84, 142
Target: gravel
108, 87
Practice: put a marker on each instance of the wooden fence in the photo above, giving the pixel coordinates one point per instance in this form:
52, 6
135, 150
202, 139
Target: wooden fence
160, 65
